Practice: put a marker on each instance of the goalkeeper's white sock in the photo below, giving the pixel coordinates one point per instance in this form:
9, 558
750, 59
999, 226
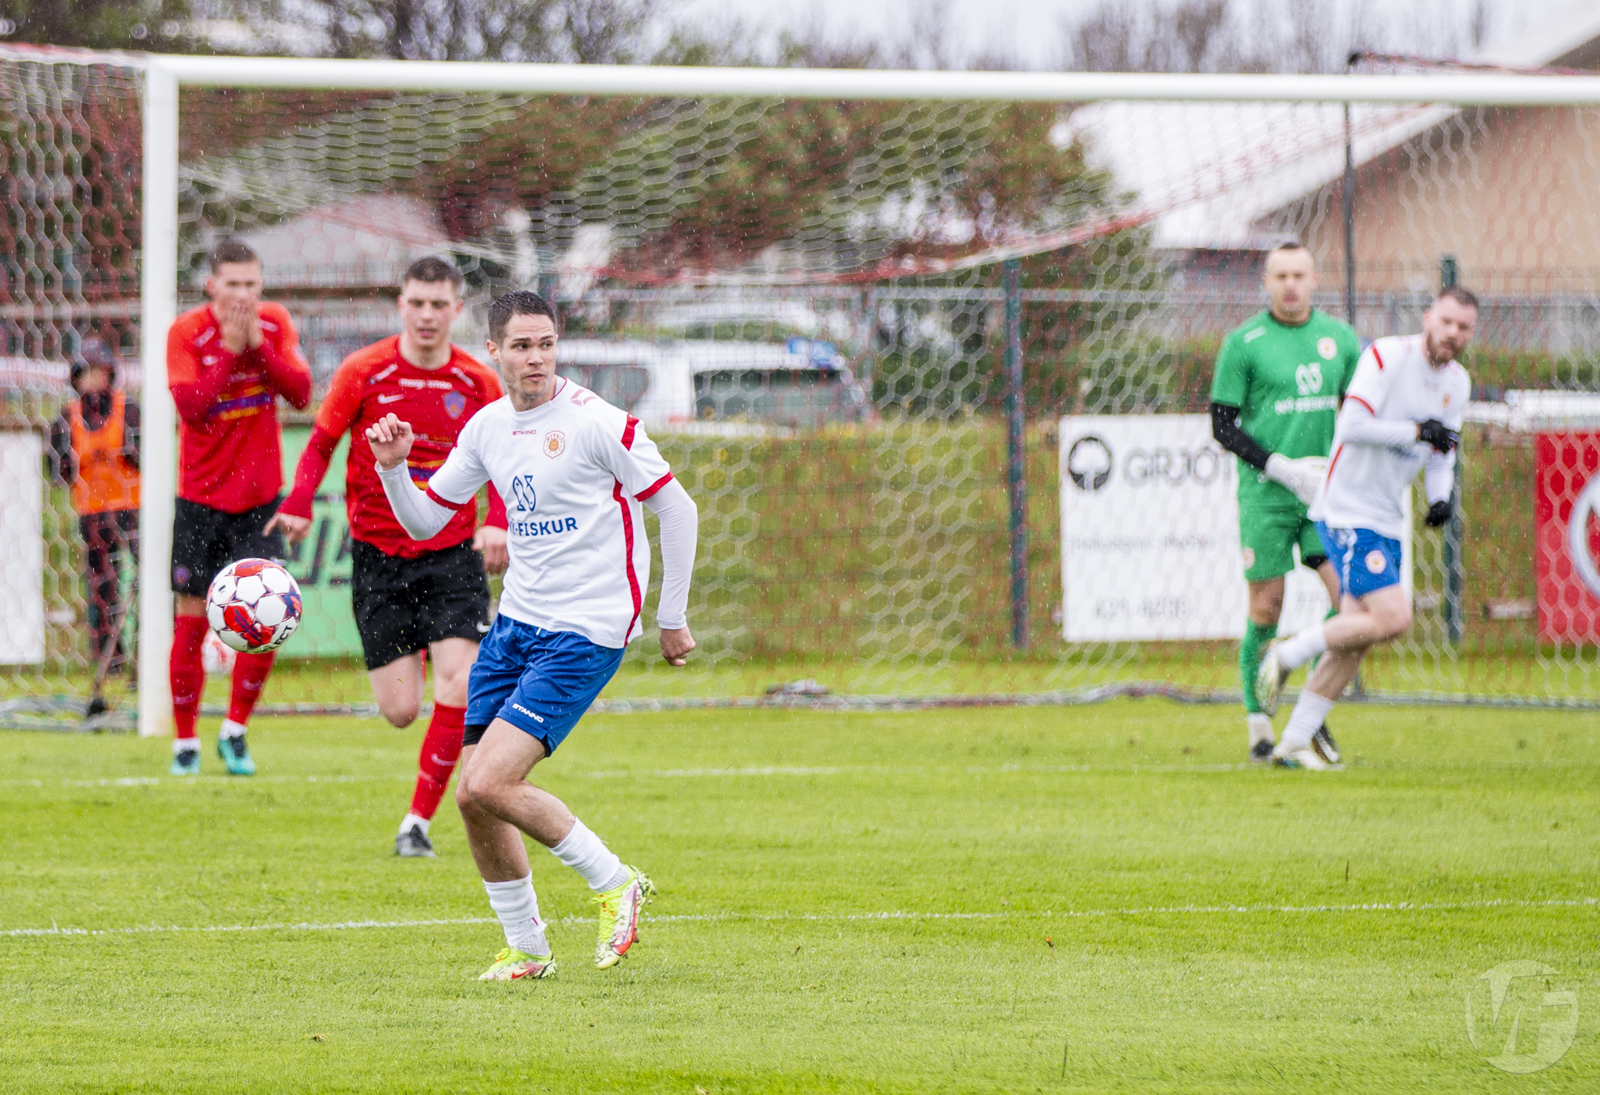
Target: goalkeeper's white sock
585, 853
1296, 651
518, 909
1260, 727
1310, 712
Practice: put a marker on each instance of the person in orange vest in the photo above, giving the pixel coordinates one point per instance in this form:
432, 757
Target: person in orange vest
96, 446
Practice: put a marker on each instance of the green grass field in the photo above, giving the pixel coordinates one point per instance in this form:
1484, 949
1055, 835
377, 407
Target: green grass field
1068, 899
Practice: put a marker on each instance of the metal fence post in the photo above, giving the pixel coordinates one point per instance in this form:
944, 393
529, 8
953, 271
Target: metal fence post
1016, 455
1454, 529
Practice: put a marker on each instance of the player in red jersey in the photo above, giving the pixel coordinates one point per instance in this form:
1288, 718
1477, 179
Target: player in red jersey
409, 595
227, 363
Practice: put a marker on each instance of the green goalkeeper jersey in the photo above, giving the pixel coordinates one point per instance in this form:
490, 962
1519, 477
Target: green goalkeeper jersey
1287, 383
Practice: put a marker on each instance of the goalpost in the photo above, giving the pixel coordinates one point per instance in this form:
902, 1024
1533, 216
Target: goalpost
913, 295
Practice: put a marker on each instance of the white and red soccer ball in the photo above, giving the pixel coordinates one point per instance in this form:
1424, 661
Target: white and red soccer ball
253, 605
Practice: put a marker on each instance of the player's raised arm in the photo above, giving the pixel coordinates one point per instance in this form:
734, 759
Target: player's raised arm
422, 513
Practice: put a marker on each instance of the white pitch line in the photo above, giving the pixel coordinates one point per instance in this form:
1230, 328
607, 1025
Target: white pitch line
879, 917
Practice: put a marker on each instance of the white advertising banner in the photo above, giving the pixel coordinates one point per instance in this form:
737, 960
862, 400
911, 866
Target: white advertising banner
1150, 534
21, 548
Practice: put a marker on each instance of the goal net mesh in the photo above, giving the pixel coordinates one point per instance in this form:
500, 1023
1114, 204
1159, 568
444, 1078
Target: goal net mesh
810, 305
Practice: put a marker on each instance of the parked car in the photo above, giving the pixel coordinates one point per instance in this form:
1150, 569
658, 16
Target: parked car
702, 385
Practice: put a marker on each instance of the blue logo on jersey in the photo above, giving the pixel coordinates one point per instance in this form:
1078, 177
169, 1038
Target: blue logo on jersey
523, 493
454, 404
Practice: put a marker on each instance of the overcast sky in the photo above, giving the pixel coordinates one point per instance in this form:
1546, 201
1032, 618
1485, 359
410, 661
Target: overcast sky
1029, 29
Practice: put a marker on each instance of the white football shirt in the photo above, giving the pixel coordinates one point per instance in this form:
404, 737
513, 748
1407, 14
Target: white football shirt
1366, 484
573, 473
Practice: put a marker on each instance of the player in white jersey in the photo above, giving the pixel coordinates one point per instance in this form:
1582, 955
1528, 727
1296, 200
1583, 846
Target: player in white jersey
1402, 415
573, 471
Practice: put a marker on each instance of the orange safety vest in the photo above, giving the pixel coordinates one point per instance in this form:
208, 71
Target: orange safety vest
105, 481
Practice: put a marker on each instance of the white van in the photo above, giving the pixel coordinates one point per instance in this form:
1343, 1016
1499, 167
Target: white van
705, 386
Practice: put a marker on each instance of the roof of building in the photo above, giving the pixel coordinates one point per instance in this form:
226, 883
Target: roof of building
1211, 174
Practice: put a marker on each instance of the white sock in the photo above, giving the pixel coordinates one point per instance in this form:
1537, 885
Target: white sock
518, 909
231, 729
1260, 727
413, 819
184, 745
1310, 712
1295, 652
583, 852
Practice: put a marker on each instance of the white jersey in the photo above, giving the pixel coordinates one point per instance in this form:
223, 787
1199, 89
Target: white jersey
572, 473
1366, 483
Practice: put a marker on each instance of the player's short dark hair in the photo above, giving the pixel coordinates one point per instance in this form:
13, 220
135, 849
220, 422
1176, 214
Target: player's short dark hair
519, 302
1462, 296
432, 270
1291, 245
232, 249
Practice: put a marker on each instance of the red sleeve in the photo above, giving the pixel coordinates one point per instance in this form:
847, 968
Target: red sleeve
496, 516
309, 471
287, 371
194, 386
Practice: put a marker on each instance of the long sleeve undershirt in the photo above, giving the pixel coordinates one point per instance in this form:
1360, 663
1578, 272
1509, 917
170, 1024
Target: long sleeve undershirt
1226, 431
422, 518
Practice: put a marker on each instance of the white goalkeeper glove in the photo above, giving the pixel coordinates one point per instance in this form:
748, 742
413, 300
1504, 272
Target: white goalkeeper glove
1302, 475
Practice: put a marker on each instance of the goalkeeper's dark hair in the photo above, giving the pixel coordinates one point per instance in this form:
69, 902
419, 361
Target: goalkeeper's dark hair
1464, 297
520, 302
1291, 245
232, 249
431, 271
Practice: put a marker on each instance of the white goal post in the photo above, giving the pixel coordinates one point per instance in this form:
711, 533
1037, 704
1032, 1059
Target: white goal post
165, 76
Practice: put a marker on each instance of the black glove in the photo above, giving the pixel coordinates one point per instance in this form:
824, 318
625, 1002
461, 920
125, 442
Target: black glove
1438, 514
1437, 434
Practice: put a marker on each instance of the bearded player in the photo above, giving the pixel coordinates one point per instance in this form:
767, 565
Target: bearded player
227, 363
1403, 415
1274, 399
574, 471
411, 596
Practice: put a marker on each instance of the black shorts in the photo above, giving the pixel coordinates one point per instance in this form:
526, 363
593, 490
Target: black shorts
402, 605
204, 540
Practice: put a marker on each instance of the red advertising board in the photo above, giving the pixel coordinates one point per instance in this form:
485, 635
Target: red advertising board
1567, 471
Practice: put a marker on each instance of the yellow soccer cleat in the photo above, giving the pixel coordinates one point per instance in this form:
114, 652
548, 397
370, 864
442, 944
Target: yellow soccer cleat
619, 917
510, 965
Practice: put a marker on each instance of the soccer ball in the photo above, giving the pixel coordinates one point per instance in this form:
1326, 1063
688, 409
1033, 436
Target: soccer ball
216, 656
253, 605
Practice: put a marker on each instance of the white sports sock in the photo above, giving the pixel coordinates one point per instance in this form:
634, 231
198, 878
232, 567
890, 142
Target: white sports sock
413, 819
1260, 728
1295, 652
184, 745
1310, 711
583, 852
518, 909
231, 729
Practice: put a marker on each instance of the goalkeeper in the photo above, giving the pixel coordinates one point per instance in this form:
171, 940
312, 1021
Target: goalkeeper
1274, 400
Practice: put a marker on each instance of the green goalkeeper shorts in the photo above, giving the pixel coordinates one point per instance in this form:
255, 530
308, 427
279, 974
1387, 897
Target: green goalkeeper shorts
1268, 537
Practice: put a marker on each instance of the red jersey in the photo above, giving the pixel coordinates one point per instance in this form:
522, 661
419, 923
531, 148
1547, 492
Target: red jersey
229, 454
371, 383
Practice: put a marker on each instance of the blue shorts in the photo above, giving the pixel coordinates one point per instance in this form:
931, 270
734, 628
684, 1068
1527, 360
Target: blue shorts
1365, 561
539, 681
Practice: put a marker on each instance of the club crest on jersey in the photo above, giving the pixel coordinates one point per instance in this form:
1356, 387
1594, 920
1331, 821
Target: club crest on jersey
1327, 347
1376, 561
454, 404
555, 443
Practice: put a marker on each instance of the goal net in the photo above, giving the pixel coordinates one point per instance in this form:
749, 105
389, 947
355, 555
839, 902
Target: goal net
935, 368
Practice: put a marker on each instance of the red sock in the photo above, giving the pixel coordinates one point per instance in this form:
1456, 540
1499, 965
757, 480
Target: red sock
441, 748
249, 674
187, 672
